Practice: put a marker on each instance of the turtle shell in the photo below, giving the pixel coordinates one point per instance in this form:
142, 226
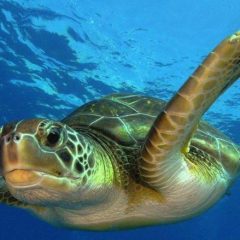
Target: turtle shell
124, 118
127, 119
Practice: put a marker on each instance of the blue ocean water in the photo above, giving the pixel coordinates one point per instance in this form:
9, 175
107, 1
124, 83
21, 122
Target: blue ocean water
57, 55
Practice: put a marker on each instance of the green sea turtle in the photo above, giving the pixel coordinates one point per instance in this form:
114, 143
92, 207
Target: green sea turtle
126, 160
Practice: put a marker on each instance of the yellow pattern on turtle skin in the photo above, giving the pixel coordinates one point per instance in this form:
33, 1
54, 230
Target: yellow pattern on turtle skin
204, 166
126, 160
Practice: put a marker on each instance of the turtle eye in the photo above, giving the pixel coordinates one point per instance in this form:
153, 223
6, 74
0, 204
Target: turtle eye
53, 136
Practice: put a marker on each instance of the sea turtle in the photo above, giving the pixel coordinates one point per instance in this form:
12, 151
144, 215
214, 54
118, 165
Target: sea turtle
126, 160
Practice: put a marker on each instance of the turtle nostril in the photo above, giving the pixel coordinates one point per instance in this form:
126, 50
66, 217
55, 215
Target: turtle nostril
16, 137
13, 137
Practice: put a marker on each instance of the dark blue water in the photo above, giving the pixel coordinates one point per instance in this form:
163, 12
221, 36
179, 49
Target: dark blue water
57, 55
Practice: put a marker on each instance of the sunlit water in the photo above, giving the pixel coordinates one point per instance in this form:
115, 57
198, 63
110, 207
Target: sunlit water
57, 55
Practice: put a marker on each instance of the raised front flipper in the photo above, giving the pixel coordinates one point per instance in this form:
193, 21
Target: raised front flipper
168, 139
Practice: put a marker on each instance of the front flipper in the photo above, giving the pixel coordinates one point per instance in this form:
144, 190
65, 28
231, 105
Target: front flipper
170, 134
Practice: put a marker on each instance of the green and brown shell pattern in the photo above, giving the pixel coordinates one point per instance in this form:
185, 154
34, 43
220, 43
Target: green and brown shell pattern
124, 121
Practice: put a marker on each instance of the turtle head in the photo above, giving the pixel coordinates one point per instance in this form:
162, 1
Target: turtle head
45, 162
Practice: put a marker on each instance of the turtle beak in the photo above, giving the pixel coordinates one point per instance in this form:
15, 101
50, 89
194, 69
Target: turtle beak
8, 149
15, 166
21, 151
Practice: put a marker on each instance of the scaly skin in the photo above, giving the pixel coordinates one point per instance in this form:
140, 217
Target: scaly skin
75, 176
173, 128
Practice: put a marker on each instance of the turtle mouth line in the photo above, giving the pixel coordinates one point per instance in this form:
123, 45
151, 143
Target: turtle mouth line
25, 177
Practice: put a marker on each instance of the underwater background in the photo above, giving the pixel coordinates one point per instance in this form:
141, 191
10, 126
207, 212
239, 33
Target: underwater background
56, 55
